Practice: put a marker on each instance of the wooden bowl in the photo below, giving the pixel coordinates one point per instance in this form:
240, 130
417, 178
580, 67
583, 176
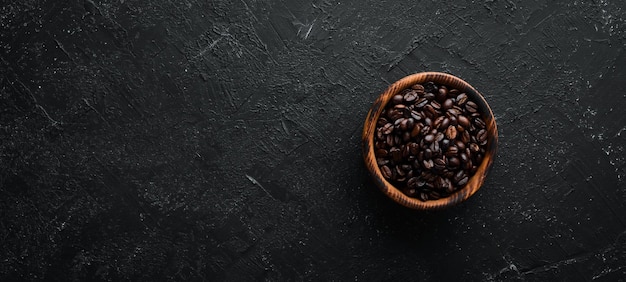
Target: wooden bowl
474, 183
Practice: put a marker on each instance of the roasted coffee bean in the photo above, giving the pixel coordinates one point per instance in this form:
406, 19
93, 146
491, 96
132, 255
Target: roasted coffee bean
381, 121
381, 153
479, 123
465, 137
391, 140
428, 153
445, 143
463, 121
459, 175
418, 87
445, 123
454, 112
474, 147
461, 99
397, 99
382, 161
452, 151
399, 171
438, 121
396, 154
421, 103
451, 132
471, 107
429, 140
442, 94
410, 96
481, 135
387, 128
386, 171
406, 136
429, 96
430, 87
463, 181
428, 164
460, 145
454, 162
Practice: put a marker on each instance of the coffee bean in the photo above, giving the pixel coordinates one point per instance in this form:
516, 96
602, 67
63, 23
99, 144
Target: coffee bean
447, 104
463, 181
463, 121
479, 123
454, 112
421, 103
400, 172
451, 132
396, 154
452, 151
386, 171
397, 99
417, 87
391, 140
474, 147
411, 96
481, 135
442, 94
430, 87
429, 96
429, 138
471, 107
465, 137
382, 161
461, 99
438, 121
381, 153
454, 162
428, 164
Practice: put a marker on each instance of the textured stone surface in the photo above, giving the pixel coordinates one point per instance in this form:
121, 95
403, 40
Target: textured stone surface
219, 140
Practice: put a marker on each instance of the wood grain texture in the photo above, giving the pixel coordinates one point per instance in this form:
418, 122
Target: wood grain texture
474, 183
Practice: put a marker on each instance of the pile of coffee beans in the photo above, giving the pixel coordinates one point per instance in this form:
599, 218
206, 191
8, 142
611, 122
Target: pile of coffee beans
430, 140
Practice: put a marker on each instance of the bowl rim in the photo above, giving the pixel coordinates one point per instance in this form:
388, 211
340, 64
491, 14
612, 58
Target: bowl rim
474, 183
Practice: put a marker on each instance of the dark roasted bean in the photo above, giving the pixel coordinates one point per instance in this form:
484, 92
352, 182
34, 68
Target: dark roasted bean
386, 171
471, 107
396, 154
428, 164
429, 138
463, 121
463, 181
481, 135
461, 99
410, 96
381, 153
396, 99
454, 162
442, 94
451, 132
418, 87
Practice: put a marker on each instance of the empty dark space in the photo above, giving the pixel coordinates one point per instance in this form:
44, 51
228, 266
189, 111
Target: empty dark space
197, 140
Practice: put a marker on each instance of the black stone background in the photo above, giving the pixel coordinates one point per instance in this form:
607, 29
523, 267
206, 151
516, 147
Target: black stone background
220, 140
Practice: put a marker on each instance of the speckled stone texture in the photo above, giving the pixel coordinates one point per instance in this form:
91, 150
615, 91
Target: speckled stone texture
220, 140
